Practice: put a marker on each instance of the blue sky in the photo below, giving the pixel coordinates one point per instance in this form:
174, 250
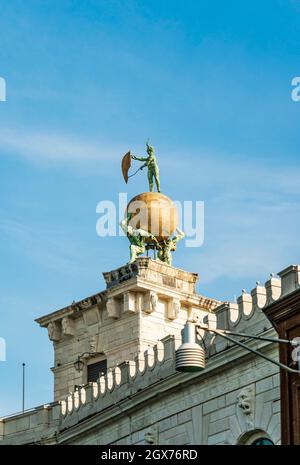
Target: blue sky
209, 82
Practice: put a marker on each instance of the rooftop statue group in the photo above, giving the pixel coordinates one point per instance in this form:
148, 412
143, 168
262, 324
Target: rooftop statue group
141, 238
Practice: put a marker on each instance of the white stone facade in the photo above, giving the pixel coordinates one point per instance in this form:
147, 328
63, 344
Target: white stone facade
142, 399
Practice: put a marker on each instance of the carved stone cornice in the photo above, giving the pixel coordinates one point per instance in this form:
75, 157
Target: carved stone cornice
144, 274
150, 270
74, 310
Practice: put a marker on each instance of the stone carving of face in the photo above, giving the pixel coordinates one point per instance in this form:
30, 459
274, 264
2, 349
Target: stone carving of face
177, 306
245, 401
150, 437
93, 344
153, 300
50, 328
65, 325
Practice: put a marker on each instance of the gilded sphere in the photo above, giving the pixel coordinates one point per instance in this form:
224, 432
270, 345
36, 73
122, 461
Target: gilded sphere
155, 213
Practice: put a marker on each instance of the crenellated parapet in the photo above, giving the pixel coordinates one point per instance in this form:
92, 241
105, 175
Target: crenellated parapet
290, 279
247, 313
150, 366
121, 382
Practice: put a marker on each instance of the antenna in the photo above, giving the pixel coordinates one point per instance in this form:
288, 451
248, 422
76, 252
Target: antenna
23, 387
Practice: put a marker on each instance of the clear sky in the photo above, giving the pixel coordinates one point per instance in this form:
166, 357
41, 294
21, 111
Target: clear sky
208, 81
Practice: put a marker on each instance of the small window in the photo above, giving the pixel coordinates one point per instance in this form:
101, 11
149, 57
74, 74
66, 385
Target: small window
95, 369
263, 442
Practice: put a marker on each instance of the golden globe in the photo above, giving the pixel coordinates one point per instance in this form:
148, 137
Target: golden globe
155, 213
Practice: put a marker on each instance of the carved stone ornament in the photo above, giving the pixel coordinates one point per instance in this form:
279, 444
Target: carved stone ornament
53, 331
245, 406
67, 326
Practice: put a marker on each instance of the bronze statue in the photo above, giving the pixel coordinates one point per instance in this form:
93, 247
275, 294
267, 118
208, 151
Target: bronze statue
150, 163
136, 237
169, 245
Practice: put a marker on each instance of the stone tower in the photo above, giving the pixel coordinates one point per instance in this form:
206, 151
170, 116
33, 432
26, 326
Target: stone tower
142, 303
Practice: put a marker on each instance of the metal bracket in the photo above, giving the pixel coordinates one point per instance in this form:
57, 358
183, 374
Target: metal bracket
225, 333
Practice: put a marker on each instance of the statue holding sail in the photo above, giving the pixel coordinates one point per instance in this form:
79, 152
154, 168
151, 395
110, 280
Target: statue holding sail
150, 163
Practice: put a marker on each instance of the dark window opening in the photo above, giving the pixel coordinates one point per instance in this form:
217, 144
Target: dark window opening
263, 442
95, 369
